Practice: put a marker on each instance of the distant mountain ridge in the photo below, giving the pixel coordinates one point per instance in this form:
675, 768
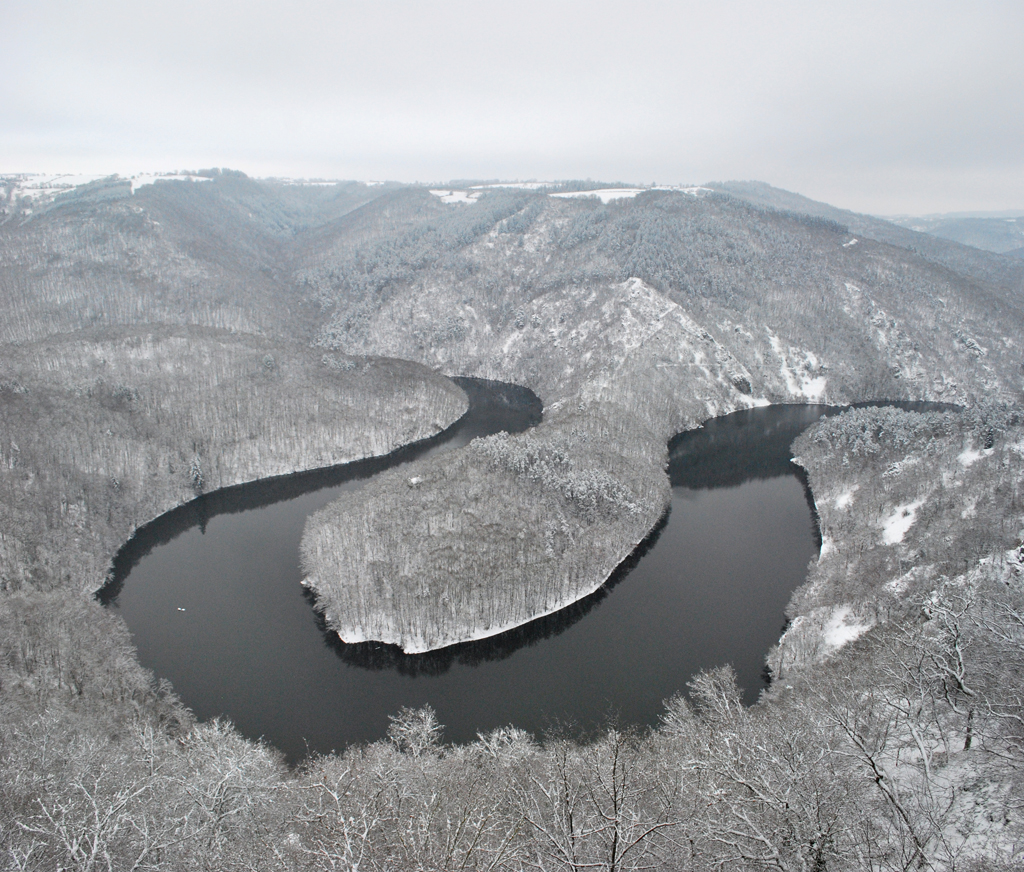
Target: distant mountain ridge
1003, 233
962, 257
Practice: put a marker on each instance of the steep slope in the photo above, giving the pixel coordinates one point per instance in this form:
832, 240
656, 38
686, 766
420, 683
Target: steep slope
579, 492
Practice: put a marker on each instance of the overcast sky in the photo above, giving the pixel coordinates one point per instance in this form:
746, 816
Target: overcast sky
894, 107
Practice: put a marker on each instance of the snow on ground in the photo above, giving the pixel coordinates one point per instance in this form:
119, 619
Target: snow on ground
605, 195
692, 190
970, 455
46, 186
846, 497
525, 186
797, 372
307, 183
43, 187
841, 628
850, 244
894, 527
464, 198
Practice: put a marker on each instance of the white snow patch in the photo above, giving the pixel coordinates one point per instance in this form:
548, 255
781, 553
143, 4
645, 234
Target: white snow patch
849, 244
898, 585
605, 194
313, 183
526, 186
464, 198
846, 497
896, 525
512, 339
840, 629
814, 388
799, 381
970, 455
45, 186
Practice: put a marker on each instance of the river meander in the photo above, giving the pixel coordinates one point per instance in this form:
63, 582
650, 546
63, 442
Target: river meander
212, 597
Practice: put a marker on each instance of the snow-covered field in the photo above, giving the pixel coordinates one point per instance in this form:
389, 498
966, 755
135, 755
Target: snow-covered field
464, 198
605, 195
44, 186
895, 527
524, 186
41, 188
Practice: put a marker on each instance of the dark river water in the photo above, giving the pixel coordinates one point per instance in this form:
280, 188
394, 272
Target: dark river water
211, 594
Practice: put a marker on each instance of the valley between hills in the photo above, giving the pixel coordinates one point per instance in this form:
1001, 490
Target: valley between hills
205, 331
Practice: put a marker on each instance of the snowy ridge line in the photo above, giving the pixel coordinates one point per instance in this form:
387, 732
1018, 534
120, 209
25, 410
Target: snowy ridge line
466, 196
37, 186
523, 186
606, 195
45, 187
48, 186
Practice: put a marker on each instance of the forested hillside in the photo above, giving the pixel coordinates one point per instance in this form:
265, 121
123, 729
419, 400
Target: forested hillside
209, 253
633, 320
961, 256
100, 432
171, 339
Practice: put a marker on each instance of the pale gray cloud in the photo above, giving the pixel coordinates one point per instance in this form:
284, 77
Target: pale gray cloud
886, 107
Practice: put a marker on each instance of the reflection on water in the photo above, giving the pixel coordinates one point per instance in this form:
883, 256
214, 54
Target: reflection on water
211, 594
376, 655
493, 406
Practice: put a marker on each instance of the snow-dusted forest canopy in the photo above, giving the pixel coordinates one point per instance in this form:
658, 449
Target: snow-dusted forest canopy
167, 339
